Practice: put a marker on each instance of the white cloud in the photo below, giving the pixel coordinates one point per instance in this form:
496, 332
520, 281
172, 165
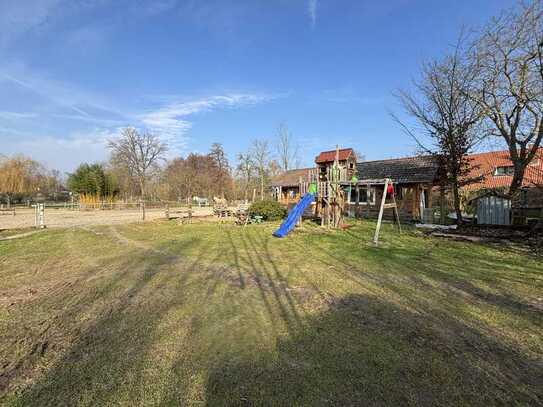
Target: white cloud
61, 109
312, 10
61, 95
171, 124
17, 115
74, 149
18, 17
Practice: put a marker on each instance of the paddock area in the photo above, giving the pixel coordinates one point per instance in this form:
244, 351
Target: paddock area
55, 218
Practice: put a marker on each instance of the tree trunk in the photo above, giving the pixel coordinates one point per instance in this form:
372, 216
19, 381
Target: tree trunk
262, 188
442, 204
457, 208
518, 177
142, 201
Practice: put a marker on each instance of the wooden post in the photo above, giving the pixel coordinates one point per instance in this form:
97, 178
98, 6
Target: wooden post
142, 206
357, 192
167, 212
396, 213
441, 205
368, 199
380, 218
40, 215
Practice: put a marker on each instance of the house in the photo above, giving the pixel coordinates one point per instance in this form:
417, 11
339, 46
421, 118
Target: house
495, 172
415, 181
286, 186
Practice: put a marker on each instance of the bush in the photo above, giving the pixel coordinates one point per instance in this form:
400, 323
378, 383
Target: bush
269, 210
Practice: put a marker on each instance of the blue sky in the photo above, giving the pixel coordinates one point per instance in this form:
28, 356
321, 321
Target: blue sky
73, 72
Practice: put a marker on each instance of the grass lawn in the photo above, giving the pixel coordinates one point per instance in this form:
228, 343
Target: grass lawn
207, 314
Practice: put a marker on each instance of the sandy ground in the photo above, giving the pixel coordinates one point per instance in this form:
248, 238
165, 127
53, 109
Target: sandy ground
55, 218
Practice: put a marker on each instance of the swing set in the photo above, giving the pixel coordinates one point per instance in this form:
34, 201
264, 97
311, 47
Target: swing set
331, 180
388, 190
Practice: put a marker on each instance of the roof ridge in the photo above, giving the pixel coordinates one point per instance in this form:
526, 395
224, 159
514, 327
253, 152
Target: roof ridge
397, 159
540, 149
334, 150
298, 169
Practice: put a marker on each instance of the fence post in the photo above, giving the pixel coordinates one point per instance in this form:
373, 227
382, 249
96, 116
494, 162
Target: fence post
40, 216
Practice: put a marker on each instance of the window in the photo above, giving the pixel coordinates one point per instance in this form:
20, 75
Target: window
363, 196
399, 192
352, 195
505, 170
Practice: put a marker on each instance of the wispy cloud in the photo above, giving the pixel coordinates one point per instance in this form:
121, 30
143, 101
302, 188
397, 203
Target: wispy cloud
17, 17
171, 121
312, 10
61, 95
77, 147
17, 115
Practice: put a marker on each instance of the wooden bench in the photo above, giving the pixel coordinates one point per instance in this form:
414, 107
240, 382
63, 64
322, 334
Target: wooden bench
7, 211
184, 215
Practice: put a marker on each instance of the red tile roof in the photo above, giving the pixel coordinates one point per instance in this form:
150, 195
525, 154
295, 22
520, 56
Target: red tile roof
329, 156
485, 164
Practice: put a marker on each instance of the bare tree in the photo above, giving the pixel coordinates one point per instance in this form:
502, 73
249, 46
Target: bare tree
220, 161
448, 118
287, 150
510, 83
246, 169
20, 175
139, 153
260, 153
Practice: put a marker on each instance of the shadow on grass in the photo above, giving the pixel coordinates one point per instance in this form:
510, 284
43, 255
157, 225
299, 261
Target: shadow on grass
355, 350
112, 349
458, 273
363, 351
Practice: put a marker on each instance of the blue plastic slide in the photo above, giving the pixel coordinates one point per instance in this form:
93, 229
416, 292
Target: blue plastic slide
293, 216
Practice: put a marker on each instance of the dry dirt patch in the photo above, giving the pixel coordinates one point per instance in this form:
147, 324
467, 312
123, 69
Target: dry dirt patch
55, 218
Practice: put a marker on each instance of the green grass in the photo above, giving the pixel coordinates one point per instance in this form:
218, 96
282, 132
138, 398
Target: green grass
206, 314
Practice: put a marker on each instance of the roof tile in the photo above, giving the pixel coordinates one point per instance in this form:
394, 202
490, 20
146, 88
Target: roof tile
291, 177
419, 169
329, 156
484, 165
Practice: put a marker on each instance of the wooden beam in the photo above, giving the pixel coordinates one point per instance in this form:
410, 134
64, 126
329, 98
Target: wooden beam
380, 218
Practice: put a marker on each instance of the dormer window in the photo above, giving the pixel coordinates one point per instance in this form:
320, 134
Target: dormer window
505, 170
